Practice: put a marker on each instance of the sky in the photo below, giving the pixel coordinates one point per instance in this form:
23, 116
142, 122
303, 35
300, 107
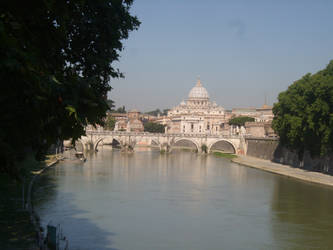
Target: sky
243, 51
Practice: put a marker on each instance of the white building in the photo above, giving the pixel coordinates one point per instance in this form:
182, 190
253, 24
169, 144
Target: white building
197, 115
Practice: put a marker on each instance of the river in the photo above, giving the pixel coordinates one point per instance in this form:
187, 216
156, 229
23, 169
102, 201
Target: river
147, 200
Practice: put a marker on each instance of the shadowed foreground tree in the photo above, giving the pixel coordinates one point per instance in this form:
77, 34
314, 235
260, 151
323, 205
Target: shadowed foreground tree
55, 68
304, 114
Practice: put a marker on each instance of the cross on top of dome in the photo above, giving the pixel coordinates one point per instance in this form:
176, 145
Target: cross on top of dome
198, 91
198, 82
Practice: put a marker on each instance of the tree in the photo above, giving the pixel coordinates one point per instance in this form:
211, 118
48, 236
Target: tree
303, 115
240, 120
157, 112
165, 111
121, 110
55, 68
153, 127
110, 122
154, 112
110, 103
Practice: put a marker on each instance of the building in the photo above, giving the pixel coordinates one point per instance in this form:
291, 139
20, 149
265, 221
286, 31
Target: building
250, 112
197, 115
134, 124
129, 122
259, 129
262, 114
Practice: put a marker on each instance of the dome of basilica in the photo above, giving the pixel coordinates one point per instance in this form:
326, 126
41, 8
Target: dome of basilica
198, 92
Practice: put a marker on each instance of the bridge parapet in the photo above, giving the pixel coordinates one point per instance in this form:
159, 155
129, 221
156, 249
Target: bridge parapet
121, 133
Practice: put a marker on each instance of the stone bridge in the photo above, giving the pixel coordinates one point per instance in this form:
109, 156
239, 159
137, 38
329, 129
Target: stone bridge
165, 142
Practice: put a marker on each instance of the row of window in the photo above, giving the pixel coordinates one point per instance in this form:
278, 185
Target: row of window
208, 127
177, 111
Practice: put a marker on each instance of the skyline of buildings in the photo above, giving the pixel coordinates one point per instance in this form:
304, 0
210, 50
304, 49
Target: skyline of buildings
197, 114
248, 110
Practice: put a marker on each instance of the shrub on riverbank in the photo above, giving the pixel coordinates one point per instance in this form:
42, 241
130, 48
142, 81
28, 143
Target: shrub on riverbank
224, 155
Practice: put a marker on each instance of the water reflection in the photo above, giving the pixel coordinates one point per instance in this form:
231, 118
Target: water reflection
303, 214
78, 225
148, 200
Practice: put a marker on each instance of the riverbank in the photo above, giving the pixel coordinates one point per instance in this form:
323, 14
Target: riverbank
18, 223
286, 170
33, 216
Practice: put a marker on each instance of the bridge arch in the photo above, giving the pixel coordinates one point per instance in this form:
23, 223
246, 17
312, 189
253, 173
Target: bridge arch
154, 143
222, 145
80, 145
112, 139
185, 141
116, 142
97, 142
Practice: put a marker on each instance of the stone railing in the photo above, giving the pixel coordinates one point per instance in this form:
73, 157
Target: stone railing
122, 133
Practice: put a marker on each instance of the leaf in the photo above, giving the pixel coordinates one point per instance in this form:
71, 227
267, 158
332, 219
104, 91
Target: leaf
71, 110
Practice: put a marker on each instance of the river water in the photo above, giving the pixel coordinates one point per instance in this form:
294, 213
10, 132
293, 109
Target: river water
147, 200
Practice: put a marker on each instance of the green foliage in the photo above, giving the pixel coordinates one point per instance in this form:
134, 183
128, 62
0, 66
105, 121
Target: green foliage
110, 103
154, 112
110, 122
55, 68
225, 155
121, 110
157, 112
304, 114
204, 148
153, 127
165, 112
240, 120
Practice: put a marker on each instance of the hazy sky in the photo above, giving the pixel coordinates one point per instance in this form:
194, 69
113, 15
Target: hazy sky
242, 50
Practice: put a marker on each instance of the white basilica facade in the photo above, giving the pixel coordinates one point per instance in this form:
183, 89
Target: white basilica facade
197, 115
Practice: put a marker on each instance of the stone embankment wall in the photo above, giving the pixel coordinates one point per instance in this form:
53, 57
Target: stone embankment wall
262, 148
270, 149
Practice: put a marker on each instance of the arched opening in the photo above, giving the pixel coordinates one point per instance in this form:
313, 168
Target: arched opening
109, 142
185, 144
97, 143
115, 144
79, 146
223, 147
154, 144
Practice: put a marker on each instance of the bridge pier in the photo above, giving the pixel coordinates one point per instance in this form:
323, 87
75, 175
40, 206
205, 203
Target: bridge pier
90, 146
203, 148
165, 148
127, 148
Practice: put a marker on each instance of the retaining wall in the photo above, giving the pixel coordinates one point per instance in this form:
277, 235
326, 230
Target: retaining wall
270, 149
262, 148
